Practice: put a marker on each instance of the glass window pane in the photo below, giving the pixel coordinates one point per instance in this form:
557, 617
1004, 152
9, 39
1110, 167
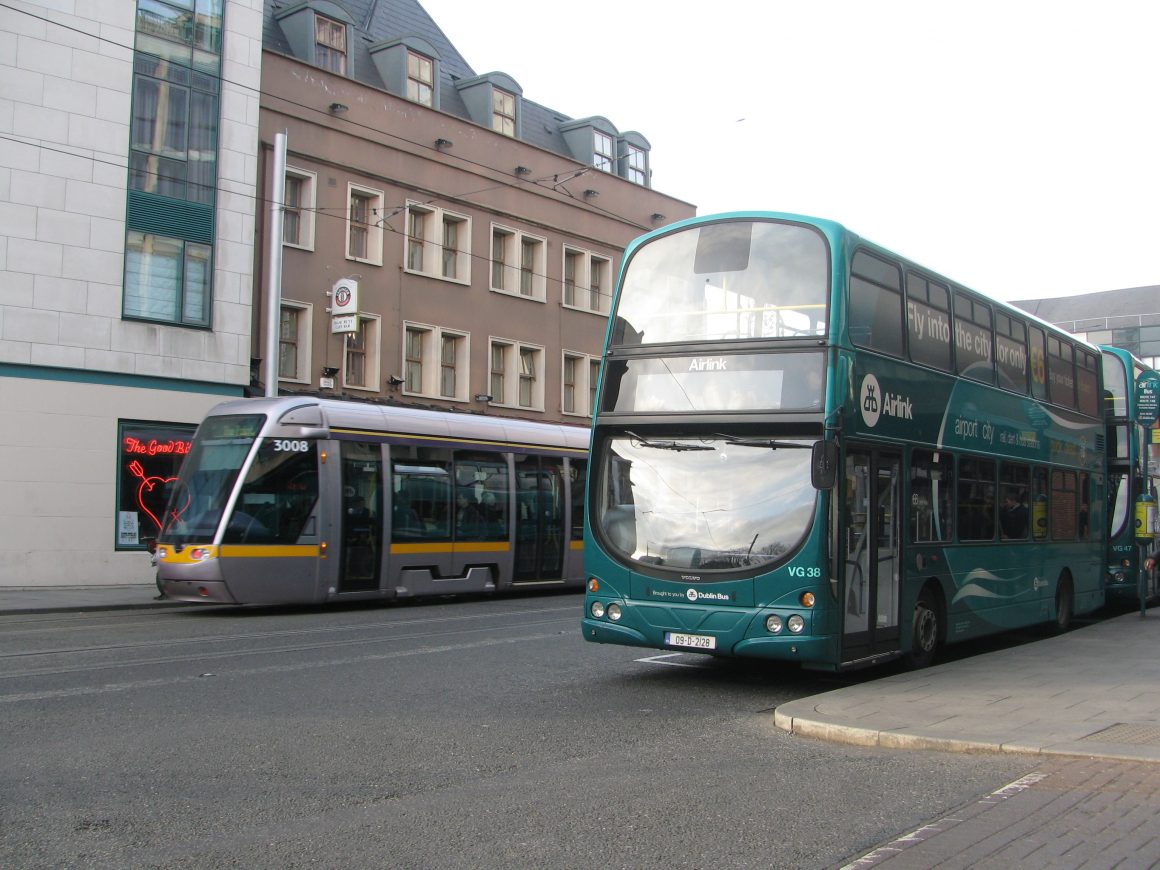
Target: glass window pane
153, 267
195, 306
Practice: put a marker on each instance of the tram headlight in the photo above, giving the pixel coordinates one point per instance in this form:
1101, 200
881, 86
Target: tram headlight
614, 612
597, 609
773, 624
795, 624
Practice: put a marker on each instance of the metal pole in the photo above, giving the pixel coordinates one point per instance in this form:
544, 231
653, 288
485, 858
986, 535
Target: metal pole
273, 312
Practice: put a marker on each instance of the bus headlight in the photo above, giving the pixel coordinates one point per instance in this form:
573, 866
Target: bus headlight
773, 624
614, 612
795, 624
597, 609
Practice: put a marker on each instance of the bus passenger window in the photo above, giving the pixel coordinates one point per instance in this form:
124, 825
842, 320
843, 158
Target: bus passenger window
976, 505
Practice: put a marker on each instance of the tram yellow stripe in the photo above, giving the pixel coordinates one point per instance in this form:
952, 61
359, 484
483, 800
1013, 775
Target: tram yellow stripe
268, 551
464, 547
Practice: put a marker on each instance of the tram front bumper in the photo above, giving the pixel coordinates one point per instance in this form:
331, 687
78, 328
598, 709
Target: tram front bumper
202, 591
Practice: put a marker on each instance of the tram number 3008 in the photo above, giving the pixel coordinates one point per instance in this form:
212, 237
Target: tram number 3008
287, 445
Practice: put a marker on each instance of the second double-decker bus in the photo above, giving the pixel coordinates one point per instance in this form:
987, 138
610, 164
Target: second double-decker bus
1128, 475
808, 448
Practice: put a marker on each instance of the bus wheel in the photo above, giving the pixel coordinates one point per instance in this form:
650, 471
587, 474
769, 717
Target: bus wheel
1064, 606
924, 641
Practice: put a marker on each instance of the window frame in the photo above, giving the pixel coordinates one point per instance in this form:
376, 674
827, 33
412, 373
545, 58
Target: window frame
181, 301
370, 327
583, 390
324, 50
419, 89
431, 244
303, 341
508, 263
431, 362
372, 227
513, 377
305, 208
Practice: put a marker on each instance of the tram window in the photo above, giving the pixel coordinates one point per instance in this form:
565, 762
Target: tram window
420, 494
1011, 353
973, 339
876, 304
931, 496
929, 321
277, 497
1014, 492
976, 499
1064, 506
481, 497
576, 476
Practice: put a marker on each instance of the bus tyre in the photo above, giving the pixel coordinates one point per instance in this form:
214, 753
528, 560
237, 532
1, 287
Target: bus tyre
924, 641
1064, 606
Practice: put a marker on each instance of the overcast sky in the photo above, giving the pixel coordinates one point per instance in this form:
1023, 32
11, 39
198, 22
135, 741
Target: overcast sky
1012, 146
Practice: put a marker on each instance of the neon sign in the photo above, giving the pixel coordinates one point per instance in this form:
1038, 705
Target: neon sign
152, 495
153, 447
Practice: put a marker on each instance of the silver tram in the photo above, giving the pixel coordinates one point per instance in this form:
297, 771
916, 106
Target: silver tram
300, 499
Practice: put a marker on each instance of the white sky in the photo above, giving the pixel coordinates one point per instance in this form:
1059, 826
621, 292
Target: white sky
1011, 145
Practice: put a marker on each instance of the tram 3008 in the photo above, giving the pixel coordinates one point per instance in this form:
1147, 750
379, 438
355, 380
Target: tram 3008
299, 499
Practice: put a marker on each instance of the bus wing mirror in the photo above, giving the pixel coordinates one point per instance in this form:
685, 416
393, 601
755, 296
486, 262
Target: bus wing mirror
824, 465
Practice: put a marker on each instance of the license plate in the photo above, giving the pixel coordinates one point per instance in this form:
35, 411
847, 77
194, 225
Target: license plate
696, 641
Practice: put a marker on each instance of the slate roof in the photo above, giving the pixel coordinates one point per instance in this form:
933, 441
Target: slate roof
379, 20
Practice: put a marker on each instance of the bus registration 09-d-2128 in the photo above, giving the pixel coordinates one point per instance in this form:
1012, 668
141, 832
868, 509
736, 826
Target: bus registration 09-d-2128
696, 641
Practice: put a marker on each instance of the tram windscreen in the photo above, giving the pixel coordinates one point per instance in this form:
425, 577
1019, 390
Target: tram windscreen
707, 503
207, 477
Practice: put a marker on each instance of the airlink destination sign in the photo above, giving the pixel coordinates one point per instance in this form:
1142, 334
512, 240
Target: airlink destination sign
1147, 398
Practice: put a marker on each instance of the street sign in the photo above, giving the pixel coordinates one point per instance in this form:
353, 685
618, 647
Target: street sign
344, 296
1147, 398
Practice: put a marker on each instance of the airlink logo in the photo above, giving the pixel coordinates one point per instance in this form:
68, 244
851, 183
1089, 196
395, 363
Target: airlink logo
874, 404
707, 364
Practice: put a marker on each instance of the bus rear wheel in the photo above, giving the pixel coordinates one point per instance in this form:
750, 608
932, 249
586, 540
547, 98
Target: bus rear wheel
926, 630
1064, 605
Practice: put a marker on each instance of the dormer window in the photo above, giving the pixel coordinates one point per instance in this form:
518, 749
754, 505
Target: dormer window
330, 44
503, 116
635, 167
420, 79
602, 153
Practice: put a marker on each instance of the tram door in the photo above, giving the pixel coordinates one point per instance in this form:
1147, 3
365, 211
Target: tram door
539, 518
871, 540
362, 517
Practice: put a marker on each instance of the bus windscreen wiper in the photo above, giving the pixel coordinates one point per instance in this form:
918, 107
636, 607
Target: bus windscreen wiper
771, 443
665, 445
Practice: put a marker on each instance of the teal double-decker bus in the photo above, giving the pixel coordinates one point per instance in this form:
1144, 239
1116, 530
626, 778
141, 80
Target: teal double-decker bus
1129, 475
810, 449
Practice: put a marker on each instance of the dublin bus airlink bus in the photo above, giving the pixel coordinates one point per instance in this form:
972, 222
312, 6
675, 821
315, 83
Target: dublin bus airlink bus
299, 499
810, 449
1128, 474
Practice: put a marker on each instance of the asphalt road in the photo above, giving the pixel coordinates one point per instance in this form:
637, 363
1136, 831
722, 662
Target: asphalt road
471, 733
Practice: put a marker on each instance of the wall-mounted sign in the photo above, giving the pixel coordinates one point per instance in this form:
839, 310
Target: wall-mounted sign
343, 324
344, 297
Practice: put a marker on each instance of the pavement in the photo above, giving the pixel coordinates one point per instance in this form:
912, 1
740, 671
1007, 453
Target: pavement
1083, 707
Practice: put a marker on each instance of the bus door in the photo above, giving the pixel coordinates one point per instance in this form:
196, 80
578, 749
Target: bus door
361, 531
539, 518
871, 540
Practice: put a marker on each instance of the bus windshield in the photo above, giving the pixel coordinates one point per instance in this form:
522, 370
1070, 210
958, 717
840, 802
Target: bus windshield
738, 279
707, 503
207, 477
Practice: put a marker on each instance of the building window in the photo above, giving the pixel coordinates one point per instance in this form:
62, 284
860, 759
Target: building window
167, 279
526, 276
420, 79
173, 128
586, 280
516, 374
298, 209
602, 153
436, 362
330, 44
294, 342
149, 455
364, 235
637, 171
593, 383
362, 355
416, 220
438, 244
503, 112
578, 385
